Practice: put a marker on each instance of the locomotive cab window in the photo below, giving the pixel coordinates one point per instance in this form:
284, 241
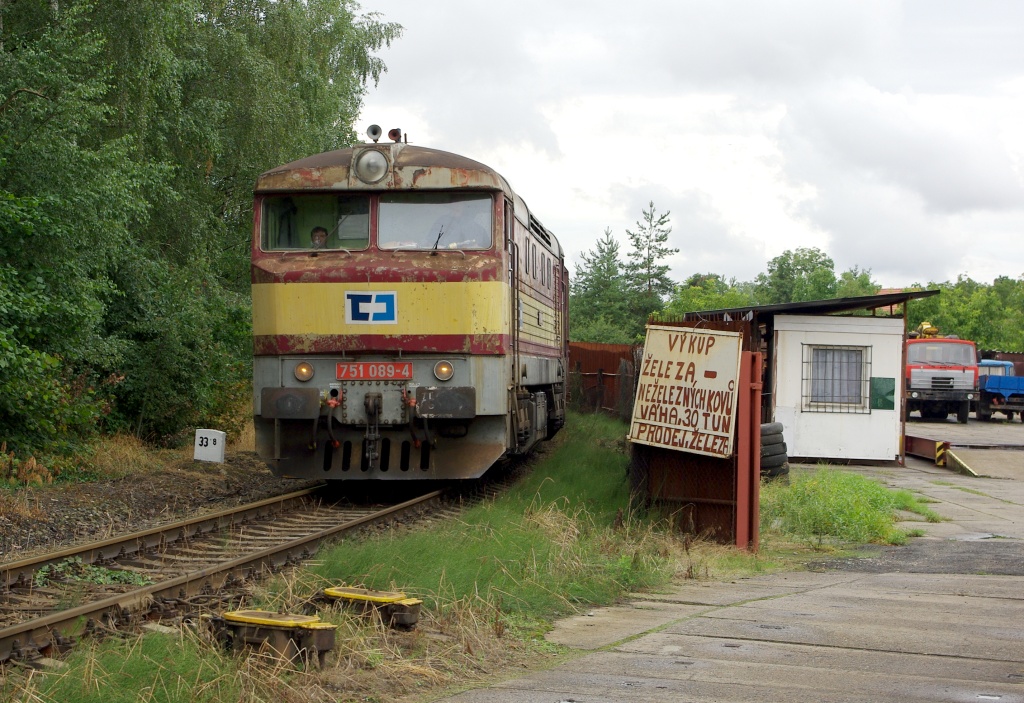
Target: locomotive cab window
316, 222
435, 221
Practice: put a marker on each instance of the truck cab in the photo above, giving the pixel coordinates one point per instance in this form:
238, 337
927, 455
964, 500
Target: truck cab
1000, 390
993, 367
942, 377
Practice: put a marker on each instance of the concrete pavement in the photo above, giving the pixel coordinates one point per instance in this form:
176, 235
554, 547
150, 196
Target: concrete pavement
941, 619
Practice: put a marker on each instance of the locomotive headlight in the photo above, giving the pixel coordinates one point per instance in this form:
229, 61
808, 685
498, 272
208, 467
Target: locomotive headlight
371, 166
443, 370
304, 371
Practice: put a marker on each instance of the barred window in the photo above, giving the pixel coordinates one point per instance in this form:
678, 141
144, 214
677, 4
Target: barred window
835, 379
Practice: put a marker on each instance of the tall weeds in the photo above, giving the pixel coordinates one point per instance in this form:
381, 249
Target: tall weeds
826, 506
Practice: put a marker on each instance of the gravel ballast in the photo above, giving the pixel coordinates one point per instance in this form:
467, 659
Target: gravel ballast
35, 519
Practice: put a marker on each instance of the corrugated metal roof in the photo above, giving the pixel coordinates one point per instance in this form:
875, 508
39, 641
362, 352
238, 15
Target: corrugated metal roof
815, 307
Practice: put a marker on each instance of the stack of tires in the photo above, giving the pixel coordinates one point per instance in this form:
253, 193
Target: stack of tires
774, 460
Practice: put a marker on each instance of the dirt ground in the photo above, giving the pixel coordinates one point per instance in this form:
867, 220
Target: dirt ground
37, 518
999, 557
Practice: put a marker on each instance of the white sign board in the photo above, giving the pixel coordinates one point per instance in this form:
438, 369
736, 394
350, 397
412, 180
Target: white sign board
210, 445
686, 395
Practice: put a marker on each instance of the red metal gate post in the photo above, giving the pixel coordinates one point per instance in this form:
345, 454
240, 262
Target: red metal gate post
748, 453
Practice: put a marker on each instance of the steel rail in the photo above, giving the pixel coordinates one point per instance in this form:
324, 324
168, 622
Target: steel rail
22, 571
55, 632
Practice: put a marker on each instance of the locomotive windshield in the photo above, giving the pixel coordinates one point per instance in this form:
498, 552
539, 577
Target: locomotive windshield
316, 222
940, 353
434, 221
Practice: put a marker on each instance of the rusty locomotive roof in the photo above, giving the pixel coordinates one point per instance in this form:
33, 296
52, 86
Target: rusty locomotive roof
409, 167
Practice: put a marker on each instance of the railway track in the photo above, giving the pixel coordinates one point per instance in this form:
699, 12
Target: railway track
184, 566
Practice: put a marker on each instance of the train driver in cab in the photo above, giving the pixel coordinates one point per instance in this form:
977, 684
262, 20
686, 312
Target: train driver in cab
318, 237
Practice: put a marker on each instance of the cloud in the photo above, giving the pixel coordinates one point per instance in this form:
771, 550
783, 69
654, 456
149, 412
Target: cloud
946, 150
905, 183
949, 47
890, 135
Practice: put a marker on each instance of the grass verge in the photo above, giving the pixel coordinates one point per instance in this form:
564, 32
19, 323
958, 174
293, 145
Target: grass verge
827, 507
561, 538
161, 668
108, 457
564, 539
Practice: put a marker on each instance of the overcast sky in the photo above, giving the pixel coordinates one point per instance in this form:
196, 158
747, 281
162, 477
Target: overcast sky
888, 134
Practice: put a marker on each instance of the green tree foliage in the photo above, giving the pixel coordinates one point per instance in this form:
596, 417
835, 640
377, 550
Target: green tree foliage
68, 202
597, 300
131, 132
708, 291
600, 330
219, 91
794, 276
647, 279
611, 301
855, 282
39, 397
809, 274
990, 315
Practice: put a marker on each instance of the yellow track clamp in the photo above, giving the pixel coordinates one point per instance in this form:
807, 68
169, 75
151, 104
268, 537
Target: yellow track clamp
399, 609
363, 595
290, 636
265, 618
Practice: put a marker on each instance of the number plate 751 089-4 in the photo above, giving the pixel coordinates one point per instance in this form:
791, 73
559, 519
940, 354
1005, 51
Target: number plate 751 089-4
375, 371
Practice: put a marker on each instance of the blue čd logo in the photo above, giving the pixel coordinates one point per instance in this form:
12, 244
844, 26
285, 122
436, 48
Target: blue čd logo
371, 308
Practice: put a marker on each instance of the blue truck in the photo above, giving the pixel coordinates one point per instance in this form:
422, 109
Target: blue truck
1000, 390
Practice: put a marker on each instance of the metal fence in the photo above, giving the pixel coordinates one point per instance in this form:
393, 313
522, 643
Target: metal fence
602, 377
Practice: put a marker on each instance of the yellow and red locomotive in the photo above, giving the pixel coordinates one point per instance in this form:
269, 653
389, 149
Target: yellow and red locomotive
409, 316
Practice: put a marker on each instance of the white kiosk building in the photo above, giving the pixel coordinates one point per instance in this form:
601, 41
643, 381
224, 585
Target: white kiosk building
833, 373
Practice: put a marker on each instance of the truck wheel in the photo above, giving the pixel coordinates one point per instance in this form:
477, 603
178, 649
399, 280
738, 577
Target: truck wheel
963, 412
1009, 416
983, 415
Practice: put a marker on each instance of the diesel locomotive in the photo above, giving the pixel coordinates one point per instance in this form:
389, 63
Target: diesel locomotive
409, 316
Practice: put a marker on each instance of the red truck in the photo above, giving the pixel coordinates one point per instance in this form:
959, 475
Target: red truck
942, 375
